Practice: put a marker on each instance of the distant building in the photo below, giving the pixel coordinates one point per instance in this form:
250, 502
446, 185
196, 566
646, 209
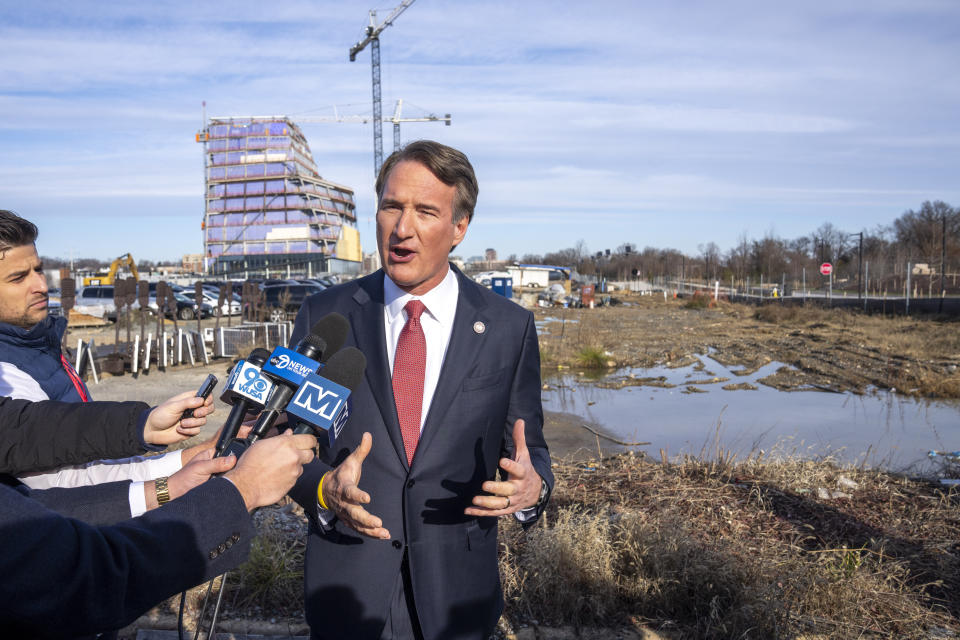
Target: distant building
491, 255
268, 210
371, 262
192, 262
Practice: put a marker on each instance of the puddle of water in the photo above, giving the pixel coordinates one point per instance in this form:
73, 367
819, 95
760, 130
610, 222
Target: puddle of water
898, 432
542, 323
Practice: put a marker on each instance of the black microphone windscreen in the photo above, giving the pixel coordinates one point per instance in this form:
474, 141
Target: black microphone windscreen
345, 367
259, 356
333, 328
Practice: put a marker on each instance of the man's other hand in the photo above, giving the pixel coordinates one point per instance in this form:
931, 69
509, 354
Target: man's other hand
270, 467
164, 425
521, 489
342, 495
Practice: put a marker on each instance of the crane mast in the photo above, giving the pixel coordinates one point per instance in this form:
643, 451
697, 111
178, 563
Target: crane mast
373, 39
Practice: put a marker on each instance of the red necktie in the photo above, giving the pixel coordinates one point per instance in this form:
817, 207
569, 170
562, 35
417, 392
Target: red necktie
408, 366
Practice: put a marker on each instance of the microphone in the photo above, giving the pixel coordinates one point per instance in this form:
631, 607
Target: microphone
288, 368
247, 389
322, 403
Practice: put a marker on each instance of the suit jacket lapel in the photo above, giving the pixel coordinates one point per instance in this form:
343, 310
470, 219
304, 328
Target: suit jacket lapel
462, 352
367, 325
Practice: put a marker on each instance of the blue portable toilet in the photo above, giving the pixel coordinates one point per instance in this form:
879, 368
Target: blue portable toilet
502, 286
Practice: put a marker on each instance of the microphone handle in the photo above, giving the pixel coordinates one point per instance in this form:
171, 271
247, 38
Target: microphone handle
264, 423
304, 428
231, 426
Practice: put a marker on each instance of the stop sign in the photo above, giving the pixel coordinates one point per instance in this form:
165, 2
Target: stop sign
826, 268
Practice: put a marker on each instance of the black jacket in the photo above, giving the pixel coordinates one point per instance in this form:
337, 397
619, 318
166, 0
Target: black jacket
39, 436
63, 578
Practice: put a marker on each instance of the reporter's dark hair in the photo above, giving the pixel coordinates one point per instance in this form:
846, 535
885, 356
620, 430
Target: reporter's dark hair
15, 231
450, 167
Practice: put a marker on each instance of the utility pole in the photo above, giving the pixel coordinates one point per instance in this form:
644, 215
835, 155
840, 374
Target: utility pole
859, 264
943, 256
373, 39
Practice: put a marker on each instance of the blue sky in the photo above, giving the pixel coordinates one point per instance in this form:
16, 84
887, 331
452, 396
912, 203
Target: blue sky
660, 124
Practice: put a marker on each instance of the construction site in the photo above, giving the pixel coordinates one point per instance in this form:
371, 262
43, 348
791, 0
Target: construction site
268, 208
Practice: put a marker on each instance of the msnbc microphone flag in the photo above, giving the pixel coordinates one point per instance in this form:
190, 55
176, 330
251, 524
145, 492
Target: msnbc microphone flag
322, 402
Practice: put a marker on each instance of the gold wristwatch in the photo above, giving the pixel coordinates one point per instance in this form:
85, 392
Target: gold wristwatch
163, 494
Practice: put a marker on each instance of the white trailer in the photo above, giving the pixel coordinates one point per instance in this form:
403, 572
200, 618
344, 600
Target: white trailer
530, 276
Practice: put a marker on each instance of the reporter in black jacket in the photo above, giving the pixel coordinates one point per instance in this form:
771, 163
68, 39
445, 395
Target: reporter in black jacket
37, 436
63, 578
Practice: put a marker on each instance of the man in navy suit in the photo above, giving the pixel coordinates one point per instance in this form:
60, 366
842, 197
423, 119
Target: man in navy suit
451, 392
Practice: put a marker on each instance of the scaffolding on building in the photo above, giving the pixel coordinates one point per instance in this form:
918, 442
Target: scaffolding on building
268, 211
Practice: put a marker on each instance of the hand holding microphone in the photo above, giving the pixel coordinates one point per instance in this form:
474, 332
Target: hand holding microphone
269, 468
165, 423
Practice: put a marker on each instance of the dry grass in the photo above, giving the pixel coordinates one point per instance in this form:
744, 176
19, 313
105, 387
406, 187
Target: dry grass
272, 578
726, 549
698, 548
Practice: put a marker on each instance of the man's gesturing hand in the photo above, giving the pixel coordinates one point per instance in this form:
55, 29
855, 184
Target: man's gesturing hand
342, 495
270, 467
164, 425
521, 489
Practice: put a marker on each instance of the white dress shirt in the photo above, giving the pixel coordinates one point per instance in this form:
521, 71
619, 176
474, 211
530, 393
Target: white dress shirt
437, 323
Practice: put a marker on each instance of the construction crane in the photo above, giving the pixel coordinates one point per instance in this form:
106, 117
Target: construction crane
373, 39
395, 119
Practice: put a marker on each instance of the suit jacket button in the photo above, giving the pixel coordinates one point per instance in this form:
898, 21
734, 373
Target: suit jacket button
212, 555
222, 548
397, 544
410, 483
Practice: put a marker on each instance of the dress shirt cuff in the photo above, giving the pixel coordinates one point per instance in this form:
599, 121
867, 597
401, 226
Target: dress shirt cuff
141, 425
325, 518
138, 502
526, 515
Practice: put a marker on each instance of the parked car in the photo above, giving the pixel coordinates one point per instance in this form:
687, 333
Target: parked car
97, 296
230, 308
186, 307
284, 300
313, 282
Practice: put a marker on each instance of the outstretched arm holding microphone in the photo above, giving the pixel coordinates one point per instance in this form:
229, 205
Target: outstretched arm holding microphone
106, 576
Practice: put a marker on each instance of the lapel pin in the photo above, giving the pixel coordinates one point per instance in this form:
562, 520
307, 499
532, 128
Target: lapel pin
479, 327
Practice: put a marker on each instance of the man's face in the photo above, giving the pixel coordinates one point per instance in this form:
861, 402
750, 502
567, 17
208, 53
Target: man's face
23, 287
415, 229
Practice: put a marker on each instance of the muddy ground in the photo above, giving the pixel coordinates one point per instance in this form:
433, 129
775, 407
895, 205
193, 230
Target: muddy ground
824, 349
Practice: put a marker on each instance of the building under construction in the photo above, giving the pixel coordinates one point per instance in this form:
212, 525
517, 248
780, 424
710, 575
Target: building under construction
268, 211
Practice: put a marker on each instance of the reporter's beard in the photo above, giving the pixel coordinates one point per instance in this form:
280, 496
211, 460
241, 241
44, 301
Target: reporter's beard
31, 315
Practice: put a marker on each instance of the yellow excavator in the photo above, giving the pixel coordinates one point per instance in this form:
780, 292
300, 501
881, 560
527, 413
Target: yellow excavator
107, 278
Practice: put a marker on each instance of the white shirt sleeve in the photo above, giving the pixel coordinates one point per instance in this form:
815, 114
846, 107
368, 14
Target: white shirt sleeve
137, 468
16, 383
138, 502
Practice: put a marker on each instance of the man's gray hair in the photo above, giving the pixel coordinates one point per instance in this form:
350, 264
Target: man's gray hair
447, 164
15, 231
